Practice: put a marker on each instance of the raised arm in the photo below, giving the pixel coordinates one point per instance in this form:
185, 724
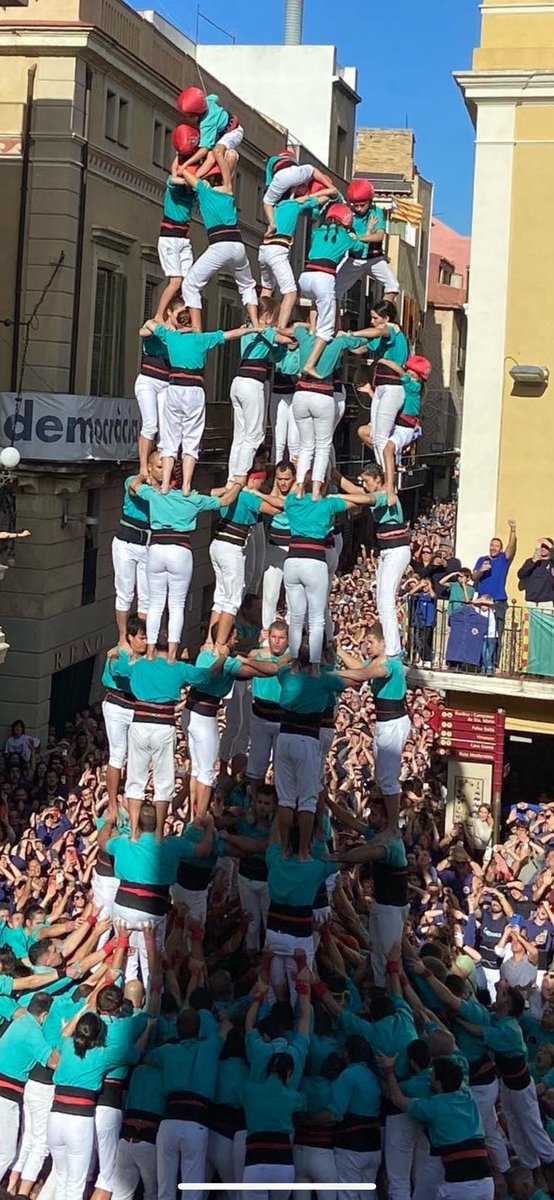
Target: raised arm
512, 541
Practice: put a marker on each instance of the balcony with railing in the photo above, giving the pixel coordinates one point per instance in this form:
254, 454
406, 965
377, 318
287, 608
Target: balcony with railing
479, 648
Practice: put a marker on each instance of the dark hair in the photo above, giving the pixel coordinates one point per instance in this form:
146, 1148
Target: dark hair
135, 625
285, 465
456, 985
110, 999
90, 1032
376, 630
282, 1065
332, 1066
188, 1024
248, 600
448, 1073
280, 625
357, 1050
147, 818
18, 722
37, 951
40, 1004
374, 471
234, 1045
418, 1054
32, 909
380, 1004
267, 305
517, 1003
386, 308
200, 999
268, 790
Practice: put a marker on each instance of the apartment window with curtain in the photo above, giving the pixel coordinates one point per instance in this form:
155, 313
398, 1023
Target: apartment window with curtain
108, 344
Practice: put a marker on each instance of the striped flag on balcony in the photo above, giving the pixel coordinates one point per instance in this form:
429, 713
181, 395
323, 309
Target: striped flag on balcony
540, 658
407, 210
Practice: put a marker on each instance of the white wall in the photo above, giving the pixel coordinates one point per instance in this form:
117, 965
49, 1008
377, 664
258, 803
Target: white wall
488, 288
292, 85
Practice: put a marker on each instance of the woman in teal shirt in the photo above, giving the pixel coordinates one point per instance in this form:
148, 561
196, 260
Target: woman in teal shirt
270, 1108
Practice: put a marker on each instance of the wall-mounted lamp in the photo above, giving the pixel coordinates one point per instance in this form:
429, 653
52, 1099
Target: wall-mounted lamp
529, 375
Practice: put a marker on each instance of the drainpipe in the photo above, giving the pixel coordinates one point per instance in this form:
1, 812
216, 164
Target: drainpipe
80, 247
23, 198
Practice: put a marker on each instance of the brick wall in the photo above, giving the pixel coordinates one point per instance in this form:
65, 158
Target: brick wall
385, 150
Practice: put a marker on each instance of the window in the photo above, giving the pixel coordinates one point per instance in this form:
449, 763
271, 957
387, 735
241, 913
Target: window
90, 551
117, 118
341, 156
151, 287
446, 272
162, 146
231, 316
108, 344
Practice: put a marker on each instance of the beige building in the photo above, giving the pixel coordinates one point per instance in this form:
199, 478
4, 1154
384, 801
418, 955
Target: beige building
87, 108
387, 158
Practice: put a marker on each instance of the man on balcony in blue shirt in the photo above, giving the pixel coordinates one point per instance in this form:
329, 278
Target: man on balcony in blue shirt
489, 575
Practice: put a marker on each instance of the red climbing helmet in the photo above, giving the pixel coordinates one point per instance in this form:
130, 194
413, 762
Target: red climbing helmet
419, 365
284, 159
360, 191
185, 139
340, 213
309, 189
192, 100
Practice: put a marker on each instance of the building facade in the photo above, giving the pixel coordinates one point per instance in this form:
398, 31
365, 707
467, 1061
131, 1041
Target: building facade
508, 428
87, 109
445, 341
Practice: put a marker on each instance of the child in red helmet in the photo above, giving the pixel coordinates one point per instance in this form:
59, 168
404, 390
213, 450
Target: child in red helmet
274, 252
407, 427
366, 255
174, 245
220, 132
330, 241
284, 175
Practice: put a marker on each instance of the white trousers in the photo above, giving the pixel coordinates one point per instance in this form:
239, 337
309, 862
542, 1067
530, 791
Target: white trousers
387, 402
175, 255
285, 179
472, 1189
254, 900
275, 269
492, 975
530, 1141
150, 395
430, 1179
228, 564
321, 290
268, 1173
352, 269
386, 926
184, 420
221, 1158
169, 577
254, 558
104, 888
283, 962
108, 1128
263, 739
196, 902
314, 414
151, 745
129, 565
203, 740
297, 766
117, 721
248, 398
33, 1150
485, 1096
181, 1152
135, 1163
306, 584
313, 1164
356, 1166
406, 1150
71, 1142
223, 256
283, 427
389, 740
274, 564
9, 1122
332, 557
238, 711
137, 962
390, 569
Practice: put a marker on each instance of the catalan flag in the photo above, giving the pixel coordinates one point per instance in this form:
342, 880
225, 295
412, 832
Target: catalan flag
407, 210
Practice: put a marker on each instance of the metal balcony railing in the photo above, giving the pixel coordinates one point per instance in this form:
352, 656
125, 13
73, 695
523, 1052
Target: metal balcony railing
509, 640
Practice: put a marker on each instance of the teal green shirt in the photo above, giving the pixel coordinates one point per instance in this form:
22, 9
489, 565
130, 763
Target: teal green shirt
270, 1106
176, 511
213, 123
123, 1033
501, 1034
390, 1035
267, 687
328, 242
286, 214
190, 1065
360, 226
90, 1071
17, 940
216, 208
134, 508
147, 860
146, 1094
391, 686
303, 693
153, 347
179, 201
232, 1077
393, 347
312, 518
384, 513
412, 396
244, 510
288, 360
258, 346
217, 685
123, 682
259, 1052
158, 681
316, 1091
418, 1087
189, 351
23, 1046
295, 882
457, 596
357, 1090
449, 1117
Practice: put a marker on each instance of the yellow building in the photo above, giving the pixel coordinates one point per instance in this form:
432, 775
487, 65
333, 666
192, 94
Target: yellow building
506, 449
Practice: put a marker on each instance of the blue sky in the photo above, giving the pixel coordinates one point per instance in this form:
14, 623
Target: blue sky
406, 80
